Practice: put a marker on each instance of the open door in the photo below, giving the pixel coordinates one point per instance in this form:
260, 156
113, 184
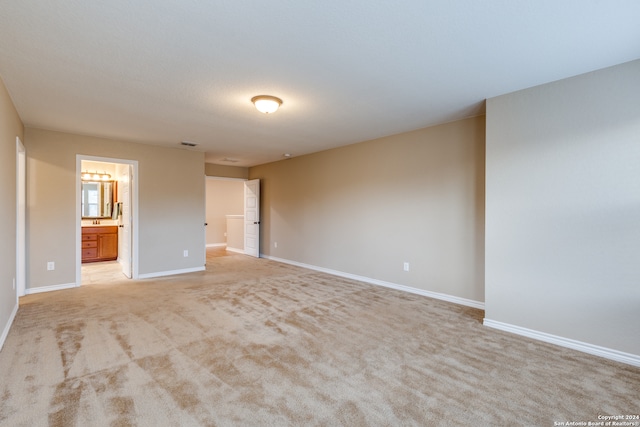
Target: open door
124, 177
252, 218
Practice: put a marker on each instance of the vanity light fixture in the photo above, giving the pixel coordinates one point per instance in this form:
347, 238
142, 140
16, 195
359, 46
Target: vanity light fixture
266, 103
95, 176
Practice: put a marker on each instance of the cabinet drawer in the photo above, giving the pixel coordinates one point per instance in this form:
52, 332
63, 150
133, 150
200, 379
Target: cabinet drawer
90, 244
89, 253
86, 237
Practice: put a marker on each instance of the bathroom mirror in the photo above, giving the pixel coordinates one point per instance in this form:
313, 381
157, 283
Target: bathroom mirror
97, 199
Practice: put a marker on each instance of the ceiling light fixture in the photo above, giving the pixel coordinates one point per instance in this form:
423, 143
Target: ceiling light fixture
266, 103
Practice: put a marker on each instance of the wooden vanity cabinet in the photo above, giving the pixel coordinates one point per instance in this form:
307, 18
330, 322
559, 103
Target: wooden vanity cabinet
99, 243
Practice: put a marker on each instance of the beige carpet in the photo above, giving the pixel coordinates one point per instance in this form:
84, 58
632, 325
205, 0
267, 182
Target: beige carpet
256, 343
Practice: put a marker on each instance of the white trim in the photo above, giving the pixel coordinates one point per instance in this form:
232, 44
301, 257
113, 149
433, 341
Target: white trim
169, 273
215, 245
20, 281
607, 353
430, 294
7, 327
236, 250
50, 288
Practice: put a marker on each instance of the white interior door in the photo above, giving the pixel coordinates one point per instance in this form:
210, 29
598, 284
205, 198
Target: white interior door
124, 176
252, 218
21, 190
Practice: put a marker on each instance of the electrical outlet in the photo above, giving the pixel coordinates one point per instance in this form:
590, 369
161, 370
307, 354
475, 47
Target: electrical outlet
275, 244
406, 266
186, 253
51, 265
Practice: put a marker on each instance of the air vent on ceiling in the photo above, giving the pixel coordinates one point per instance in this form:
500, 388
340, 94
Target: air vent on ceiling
230, 160
188, 144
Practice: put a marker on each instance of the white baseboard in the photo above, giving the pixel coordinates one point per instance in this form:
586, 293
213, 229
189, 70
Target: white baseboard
436, 295
7, 327
50, 288
236, 250
170, 272
607, 353
215, 245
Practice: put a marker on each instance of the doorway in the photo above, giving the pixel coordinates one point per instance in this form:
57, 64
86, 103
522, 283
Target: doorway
119, 217
232, 214
224, 213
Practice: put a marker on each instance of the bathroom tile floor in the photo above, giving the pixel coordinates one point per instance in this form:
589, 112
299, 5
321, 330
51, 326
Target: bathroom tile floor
100, 273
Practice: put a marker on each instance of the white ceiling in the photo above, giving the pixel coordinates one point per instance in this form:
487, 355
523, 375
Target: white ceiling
165, 71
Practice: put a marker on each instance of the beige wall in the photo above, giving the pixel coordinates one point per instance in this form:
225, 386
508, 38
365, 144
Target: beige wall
238, 172
367, 208
235, 233
10, 128
563, 209
224, 197
171, 204
99, 167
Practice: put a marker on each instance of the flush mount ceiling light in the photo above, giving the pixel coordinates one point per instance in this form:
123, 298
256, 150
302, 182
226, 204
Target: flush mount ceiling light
266, 103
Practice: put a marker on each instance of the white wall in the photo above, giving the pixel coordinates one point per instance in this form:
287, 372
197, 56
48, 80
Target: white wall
563, 209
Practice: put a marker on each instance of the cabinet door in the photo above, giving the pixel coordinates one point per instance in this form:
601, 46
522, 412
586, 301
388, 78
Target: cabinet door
108, 246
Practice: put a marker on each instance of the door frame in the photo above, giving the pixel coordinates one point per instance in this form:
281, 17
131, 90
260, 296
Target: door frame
134, 211
21, 214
